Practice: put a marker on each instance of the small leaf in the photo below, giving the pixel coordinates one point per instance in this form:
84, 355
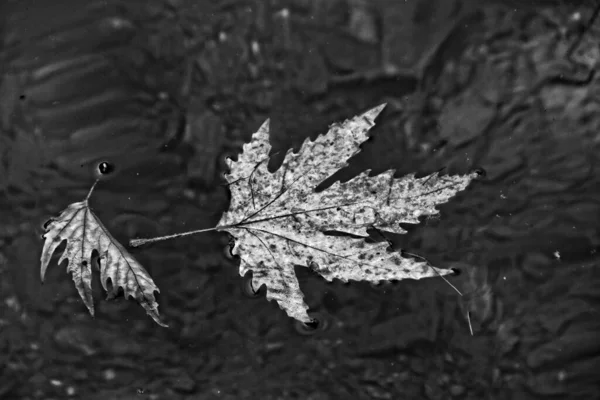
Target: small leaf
279, 221
84, 233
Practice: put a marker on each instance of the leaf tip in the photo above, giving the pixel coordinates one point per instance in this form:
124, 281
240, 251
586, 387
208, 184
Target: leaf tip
374, 112
265, 125
162, 324
380, 107
154, 315
88, 300
43, 272
263, 133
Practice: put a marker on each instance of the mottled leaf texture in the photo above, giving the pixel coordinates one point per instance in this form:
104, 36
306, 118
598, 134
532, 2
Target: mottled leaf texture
84, 233
278, 220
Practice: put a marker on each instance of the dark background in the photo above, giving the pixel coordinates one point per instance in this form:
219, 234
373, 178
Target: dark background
165, 89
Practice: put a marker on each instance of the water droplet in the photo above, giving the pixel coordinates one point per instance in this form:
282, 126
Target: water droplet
480, 171
248, 288
47, 223
105, 168
319, 323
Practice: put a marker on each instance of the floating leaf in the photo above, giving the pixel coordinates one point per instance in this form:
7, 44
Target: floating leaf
278, 220
84, 233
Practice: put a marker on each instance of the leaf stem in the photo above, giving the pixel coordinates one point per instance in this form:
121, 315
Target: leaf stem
91, 190
139, 242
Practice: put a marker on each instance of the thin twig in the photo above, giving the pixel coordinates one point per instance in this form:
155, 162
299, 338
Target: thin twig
436, 271
469, 320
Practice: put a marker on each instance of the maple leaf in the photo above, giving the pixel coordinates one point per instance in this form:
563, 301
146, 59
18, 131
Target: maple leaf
84, 233
278, 220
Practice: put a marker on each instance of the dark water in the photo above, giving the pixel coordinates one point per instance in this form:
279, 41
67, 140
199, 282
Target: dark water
165, 90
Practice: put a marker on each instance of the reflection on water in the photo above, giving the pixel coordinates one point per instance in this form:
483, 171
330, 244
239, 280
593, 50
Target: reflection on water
477, 301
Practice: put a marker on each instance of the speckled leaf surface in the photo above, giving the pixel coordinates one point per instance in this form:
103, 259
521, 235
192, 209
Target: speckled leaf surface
84, 233
279, 221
